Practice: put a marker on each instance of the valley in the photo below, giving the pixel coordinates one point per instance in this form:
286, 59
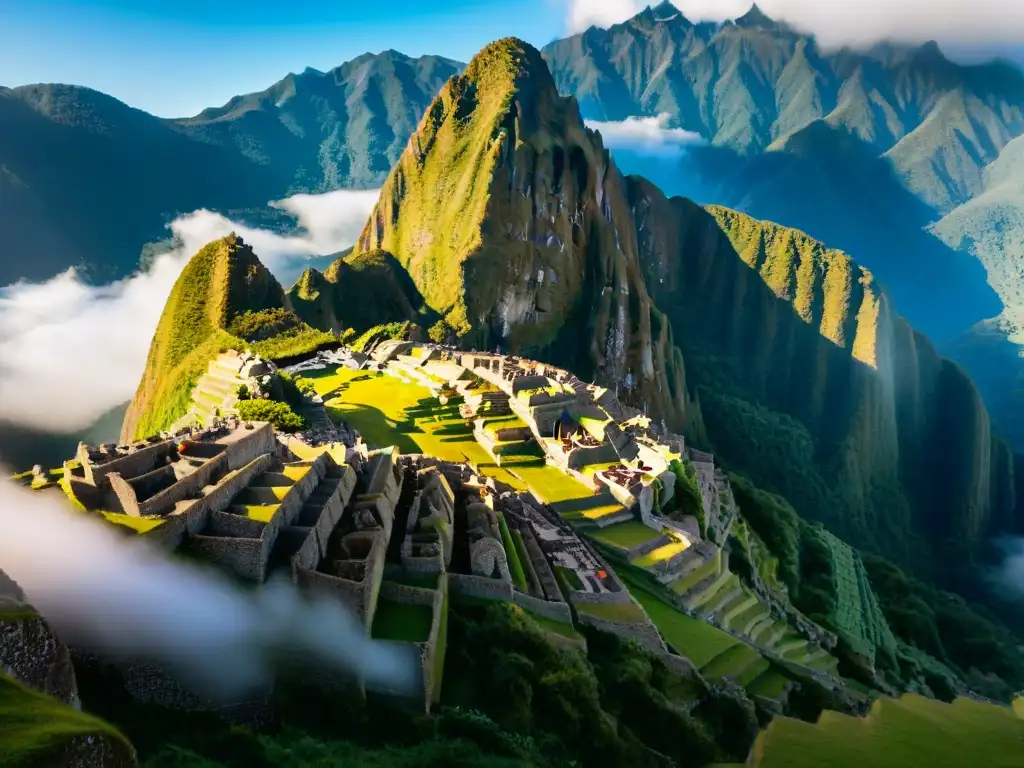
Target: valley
554, 466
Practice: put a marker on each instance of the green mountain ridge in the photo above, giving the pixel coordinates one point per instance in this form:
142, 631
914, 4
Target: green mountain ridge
888, 153
86, 180
797, 363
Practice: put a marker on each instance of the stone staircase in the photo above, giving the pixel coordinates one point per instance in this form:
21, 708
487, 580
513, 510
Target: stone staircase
217, 390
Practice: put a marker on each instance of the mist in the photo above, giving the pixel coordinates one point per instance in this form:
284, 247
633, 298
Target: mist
70, 351
1009, 577
123, 600
647, 135
953, 23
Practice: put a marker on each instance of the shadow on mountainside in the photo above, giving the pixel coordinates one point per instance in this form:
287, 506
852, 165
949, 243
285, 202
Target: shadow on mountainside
832, 186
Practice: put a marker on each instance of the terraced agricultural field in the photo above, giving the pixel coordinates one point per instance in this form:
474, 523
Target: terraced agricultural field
907, 732
858, 617
625, 535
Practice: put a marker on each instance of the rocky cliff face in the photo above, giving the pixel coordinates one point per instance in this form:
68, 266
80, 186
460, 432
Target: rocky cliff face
515, 224
512, 220
811, 381
358, 291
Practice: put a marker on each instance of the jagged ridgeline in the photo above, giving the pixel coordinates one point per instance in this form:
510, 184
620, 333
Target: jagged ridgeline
358, 291
514, 223
508, 215
224, 299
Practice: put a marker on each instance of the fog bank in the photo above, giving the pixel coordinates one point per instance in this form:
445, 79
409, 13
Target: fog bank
117, 596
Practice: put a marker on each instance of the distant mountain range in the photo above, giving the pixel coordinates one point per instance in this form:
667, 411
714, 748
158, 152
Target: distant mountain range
86, 180
894, 154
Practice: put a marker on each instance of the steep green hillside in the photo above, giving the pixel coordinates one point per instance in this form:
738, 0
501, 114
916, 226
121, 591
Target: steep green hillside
224, 298
87, 181
795, 133
810, 382
39, 730
510, 218
909, 731
750, 84
358, 291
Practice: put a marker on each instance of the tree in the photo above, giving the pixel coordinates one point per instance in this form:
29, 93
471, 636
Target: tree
277, 413
440, 332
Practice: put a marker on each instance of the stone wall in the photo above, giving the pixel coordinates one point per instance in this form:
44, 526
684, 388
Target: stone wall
247, 558
254, 443
131, 465
644, 634
31, 653
598, 454
188, 487
480, 586
546, 608
148, 683
648, 546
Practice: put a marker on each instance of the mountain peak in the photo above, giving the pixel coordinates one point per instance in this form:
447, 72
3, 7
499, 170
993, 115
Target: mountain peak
755, 18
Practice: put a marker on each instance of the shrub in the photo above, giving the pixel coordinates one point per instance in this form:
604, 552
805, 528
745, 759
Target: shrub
243, 393
277, 413
440, 332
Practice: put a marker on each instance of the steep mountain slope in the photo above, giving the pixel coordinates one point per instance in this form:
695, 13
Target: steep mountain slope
510, 218
358, 291
222, 282
807, 377
86, 180
319, 131
753, 82
862, 149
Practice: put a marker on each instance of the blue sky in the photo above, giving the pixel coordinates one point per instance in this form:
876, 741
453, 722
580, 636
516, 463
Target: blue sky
175, 57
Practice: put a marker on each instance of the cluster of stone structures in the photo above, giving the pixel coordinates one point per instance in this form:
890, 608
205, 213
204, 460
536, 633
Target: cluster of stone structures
392, 536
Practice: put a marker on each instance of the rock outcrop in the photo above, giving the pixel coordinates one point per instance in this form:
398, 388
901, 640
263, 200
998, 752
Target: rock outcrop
39, 702
512, 220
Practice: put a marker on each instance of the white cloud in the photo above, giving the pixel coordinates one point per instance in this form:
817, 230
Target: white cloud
126, 600
70, 352
647, 135
837, 22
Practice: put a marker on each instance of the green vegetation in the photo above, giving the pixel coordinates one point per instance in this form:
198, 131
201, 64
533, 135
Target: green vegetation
402, 621
224, 286
377, 332
515, 567
627, 535
608, 707
277, 413
36, 727
622, 613
910, 731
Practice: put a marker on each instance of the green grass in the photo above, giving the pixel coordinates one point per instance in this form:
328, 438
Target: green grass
572, 579
695, 639
623, 613
515, 567
692, 579
770, 684
36, 727
551, 625
626, 535
667, 552
402, 621
731, 662
910, 731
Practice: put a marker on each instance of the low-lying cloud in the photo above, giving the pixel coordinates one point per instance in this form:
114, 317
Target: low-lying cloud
647, 135
119, 597
1009, 577
837, 22
69, 351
